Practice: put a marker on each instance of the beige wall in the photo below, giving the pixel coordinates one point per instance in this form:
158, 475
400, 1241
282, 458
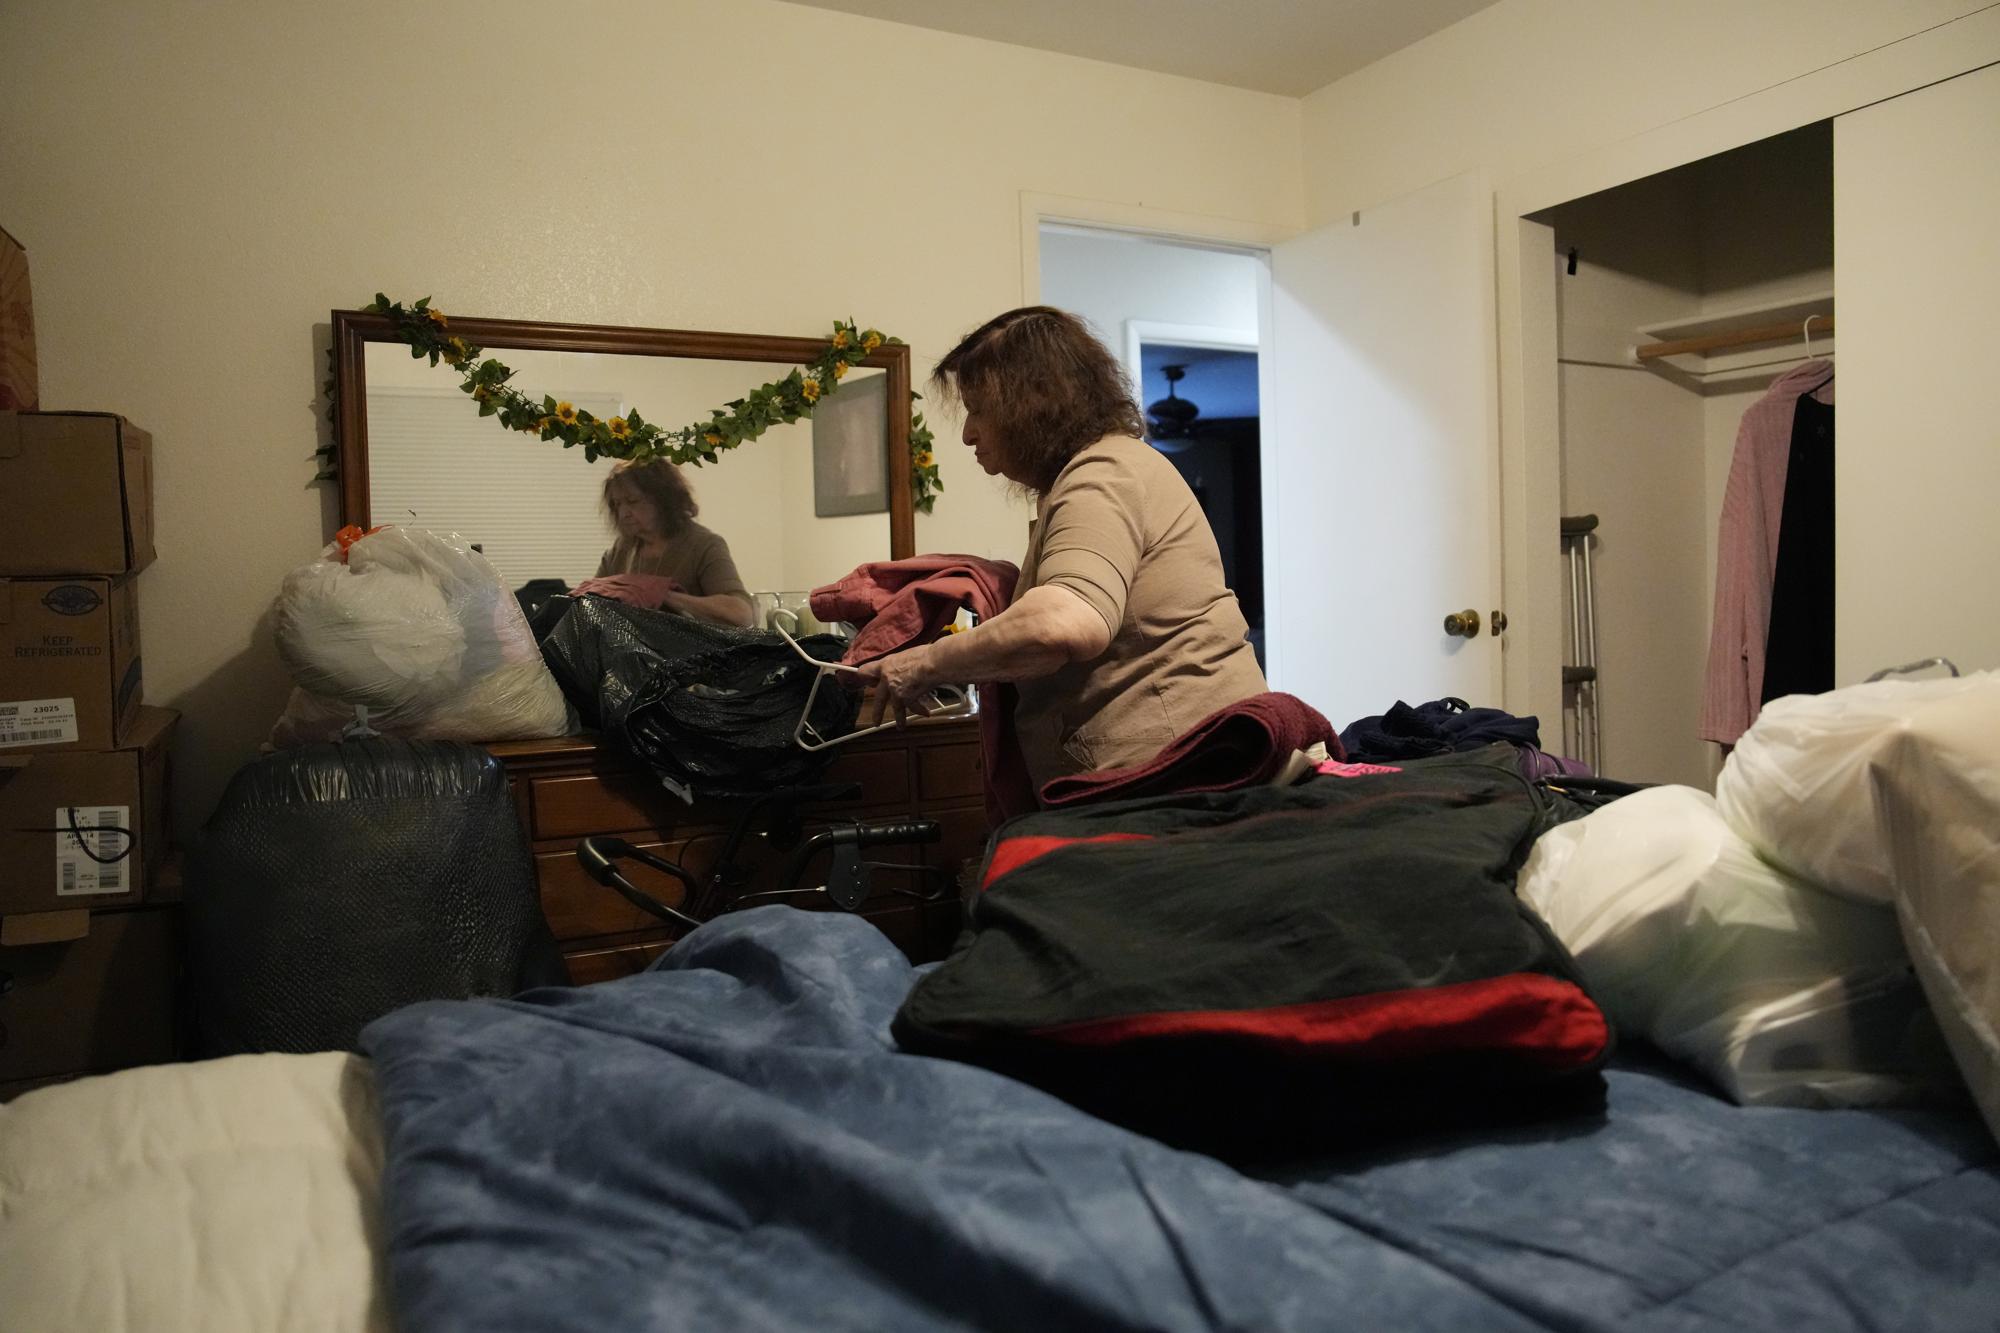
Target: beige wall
1916, 191
198, 185
1553, 100
1527, 83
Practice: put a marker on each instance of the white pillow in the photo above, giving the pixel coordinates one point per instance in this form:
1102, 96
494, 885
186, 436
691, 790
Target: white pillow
1783, 994
1797, 784
1937, 788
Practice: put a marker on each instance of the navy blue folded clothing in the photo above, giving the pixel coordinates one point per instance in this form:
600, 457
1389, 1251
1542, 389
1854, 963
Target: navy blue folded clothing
1442, 726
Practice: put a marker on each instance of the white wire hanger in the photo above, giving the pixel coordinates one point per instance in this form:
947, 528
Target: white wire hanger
948, 701
1806, 333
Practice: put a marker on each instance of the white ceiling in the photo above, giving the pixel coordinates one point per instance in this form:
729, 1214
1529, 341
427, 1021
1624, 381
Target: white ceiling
1276, 46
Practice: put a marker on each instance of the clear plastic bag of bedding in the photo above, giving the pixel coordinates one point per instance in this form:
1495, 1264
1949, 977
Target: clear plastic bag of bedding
412, 633
1784, 994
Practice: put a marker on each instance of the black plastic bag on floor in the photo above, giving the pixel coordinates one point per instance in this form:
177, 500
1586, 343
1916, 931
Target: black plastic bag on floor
337, 882
710, 709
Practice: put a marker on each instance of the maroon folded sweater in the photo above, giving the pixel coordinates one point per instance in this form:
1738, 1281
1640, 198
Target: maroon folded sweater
1243, 745
900, 603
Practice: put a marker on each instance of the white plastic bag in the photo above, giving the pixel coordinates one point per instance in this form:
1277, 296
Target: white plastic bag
1937, 788
1797, 784
417, 629
1783, 994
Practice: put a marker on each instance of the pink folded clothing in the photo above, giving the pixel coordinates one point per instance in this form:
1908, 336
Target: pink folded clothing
1336, 768
1244, 745
901, 603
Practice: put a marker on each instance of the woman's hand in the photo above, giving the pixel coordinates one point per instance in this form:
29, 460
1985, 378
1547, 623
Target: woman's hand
650, 591
900, 680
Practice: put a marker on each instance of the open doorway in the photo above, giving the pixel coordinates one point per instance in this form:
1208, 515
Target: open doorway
1186, 320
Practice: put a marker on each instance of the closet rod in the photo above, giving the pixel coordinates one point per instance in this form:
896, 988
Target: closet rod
1763, 333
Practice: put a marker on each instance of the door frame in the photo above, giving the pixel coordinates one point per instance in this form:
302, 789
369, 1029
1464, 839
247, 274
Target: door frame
1530, 401
1205, 231
1139, 332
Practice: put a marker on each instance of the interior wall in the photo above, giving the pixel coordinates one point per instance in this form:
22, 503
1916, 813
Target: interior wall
1109, 278
1526, 83
198, 186
1550, 102
1917, 186
1631, 454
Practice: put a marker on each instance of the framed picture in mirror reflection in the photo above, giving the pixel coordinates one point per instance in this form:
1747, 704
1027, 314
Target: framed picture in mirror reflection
850, 445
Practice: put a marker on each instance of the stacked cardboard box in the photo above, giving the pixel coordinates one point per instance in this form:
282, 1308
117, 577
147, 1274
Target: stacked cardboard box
88, 961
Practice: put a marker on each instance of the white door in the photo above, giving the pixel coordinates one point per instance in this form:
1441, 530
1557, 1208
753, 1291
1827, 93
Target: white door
1381, 471
1916, 188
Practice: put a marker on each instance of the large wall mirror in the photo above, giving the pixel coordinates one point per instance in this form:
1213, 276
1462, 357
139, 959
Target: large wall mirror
413, 449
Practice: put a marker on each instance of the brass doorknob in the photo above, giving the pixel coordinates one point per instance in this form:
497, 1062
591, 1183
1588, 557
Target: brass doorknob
1465, 624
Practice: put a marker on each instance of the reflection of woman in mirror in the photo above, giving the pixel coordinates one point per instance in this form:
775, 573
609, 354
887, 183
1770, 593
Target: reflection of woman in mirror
1121, 634
662, 558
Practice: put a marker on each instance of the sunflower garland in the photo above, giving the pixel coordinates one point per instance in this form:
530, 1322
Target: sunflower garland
632, 437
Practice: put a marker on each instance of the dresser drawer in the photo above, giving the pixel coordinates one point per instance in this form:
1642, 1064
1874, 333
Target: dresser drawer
578, 907
884, 775
962, 834
574, 807
593, 965
945, 772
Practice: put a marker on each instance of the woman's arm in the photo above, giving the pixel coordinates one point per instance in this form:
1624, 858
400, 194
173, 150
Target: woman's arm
1045, 630
725, 608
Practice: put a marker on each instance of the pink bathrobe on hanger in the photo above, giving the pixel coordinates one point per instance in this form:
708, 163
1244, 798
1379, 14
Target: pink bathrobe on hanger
1746, 558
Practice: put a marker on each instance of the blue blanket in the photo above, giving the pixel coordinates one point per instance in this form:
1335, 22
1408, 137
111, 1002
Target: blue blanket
732, 1141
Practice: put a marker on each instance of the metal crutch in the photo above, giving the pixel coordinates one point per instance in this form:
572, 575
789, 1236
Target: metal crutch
1581, 735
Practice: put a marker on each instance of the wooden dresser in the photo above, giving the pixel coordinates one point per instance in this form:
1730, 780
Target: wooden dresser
571, 788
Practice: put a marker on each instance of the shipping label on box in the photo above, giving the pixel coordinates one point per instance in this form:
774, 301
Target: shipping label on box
84, 828
69, 661
93, 850
37, 722
76, 494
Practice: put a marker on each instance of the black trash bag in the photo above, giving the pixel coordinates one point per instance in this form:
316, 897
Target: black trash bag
710, 709
336, 882
546, 614
543, 602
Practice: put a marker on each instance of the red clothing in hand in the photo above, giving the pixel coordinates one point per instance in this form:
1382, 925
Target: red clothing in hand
899, 604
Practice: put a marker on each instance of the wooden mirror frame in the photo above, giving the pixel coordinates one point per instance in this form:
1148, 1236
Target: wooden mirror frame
354, 329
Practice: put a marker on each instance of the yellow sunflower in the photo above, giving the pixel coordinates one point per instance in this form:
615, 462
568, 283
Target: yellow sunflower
840, 338
810, 389
543, 423
436, 317
711, 439
870, 341
566, 413
619, 430
924, 458
839, 369
460, 351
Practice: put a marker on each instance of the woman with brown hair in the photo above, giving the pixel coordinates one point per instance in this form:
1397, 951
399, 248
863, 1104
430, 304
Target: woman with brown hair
662, 558
1121, 634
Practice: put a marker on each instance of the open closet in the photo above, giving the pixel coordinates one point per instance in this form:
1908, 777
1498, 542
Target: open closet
1681, 299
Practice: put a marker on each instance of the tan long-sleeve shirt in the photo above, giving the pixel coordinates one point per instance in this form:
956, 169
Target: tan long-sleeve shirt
1120, 529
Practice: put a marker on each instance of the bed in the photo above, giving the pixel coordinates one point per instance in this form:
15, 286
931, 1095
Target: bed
733, 1141
752, 1135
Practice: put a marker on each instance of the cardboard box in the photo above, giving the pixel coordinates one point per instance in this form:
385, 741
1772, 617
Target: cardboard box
105, 1000
117, 802
18, 391
76, 494
69, 663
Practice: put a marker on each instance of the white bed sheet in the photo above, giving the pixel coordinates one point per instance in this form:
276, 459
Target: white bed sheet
226, 1194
